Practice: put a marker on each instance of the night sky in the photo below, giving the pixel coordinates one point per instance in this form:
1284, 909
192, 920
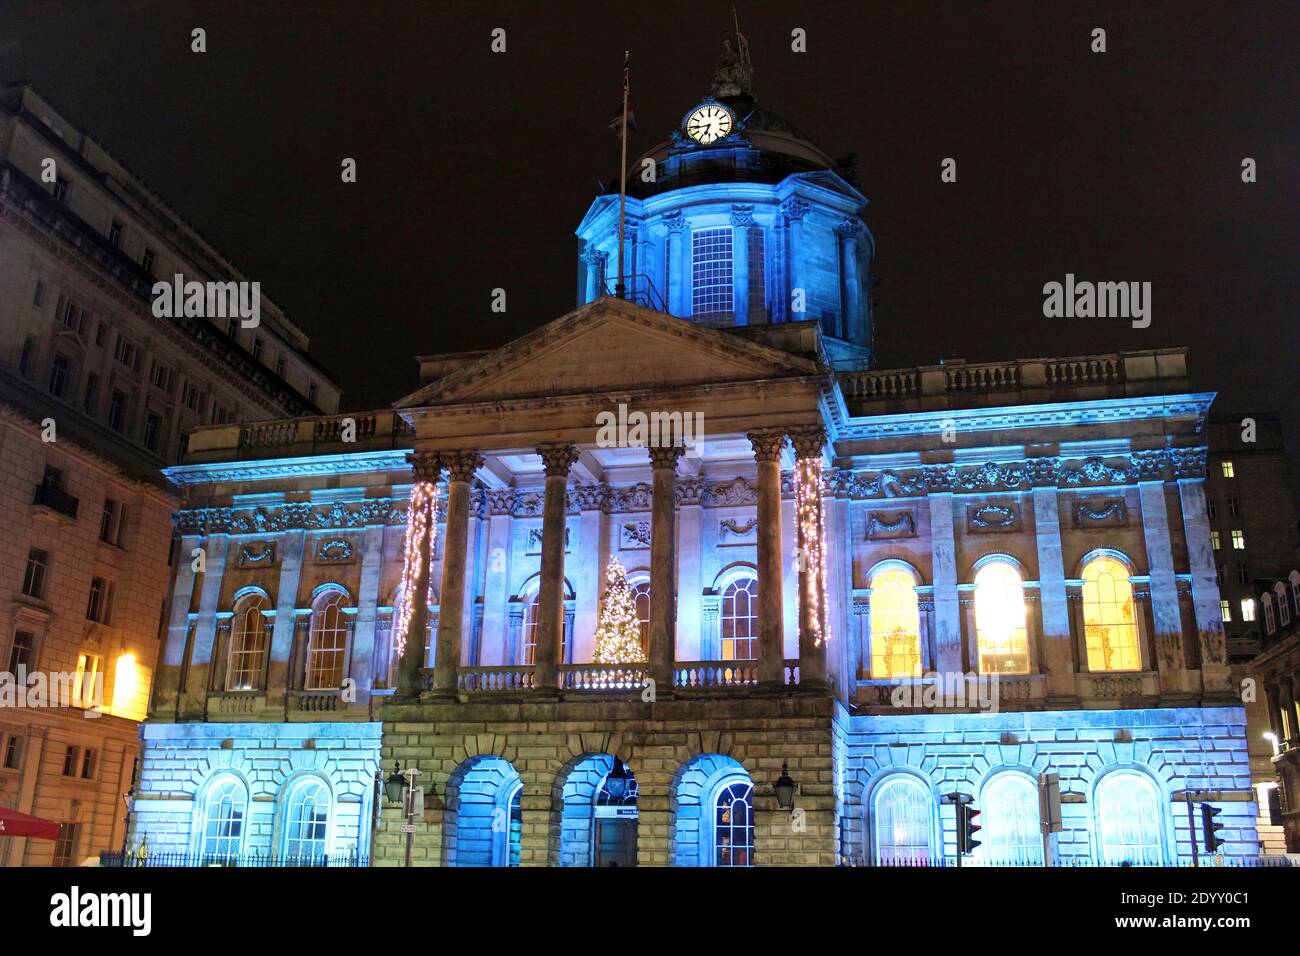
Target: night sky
474, 168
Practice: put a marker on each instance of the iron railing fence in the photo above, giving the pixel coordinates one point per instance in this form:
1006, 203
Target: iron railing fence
242, 860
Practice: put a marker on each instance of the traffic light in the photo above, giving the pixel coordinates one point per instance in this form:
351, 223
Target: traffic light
1210, 829
967, 828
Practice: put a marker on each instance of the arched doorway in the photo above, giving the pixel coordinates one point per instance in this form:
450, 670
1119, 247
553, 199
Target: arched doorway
615, 818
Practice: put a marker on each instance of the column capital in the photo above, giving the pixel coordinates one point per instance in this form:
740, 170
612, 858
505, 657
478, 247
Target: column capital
666, 456
848, 228
795, 209
461, 465
808, 441
426, 465
768, 443
675, 221
558, 458
742, 214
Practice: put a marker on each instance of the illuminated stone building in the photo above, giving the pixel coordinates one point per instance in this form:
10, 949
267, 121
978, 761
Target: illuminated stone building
96, 395
840, 546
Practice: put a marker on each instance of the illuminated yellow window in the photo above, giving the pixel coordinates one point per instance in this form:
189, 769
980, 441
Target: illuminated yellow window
1109, 618
1000, 620
895, 624
1227, 470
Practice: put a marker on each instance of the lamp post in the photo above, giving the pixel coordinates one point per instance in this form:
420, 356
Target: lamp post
126, 831
401, 784
785, 788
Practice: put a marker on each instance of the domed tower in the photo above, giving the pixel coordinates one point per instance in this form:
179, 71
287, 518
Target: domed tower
737, 219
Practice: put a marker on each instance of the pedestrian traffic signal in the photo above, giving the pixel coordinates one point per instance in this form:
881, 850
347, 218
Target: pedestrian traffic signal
1210, 829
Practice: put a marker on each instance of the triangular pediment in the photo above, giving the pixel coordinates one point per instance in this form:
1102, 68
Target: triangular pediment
610, 346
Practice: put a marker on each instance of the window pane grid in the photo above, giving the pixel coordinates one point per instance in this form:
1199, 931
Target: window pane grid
739, 621
711, 282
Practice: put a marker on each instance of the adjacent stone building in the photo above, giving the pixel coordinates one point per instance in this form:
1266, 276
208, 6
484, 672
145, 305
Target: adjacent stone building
884, 587
97, 394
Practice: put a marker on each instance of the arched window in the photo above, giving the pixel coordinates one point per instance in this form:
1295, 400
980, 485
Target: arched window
1283, 608
1269, 623
1129, 822
641, 599
733, 824
247, 654
514, 835
1109, 619
223, 820
306, 822
895, 624
1000, 620
327, 642
903, 818
739, 620
1010, 820
528, 642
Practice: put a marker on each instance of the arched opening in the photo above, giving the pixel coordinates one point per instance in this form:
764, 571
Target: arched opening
895, 623
1130, 820
1000, 631
597, 801
484, 822
306, 822
1010, 820
739, 620
1109, 616
221, 828
902, 821
712, 813
327, 641
249, 638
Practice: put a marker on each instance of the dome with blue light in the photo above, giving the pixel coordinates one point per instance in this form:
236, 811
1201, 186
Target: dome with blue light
737, 219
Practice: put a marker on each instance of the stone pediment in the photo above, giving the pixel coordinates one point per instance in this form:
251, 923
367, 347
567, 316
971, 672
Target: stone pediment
611, 346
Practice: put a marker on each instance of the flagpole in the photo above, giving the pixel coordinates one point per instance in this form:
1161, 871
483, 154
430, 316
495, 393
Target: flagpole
622, 179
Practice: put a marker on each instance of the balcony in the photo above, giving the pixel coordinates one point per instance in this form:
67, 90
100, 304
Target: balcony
625, 680
54, 499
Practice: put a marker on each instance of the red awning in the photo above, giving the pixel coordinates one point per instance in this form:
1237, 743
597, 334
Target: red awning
13, 823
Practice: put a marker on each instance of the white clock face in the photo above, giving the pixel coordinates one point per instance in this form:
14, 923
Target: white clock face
708, 123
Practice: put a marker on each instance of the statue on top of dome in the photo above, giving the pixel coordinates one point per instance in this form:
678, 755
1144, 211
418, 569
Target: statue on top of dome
734, 74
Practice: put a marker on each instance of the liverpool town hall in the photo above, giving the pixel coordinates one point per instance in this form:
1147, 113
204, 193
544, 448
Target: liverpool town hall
862, 596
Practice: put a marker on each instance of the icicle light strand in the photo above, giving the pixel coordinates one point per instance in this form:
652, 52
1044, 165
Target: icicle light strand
808, 486
421, 518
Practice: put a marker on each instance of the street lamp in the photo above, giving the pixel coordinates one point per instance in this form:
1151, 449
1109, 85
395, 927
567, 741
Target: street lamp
126, 835
401, 783
785, 788
616, 782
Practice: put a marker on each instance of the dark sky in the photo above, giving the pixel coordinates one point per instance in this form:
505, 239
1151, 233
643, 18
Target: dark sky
475, 168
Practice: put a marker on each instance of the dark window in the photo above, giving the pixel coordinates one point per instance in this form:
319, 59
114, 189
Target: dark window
38, 296
1211, 508
1243, 573
22, 653
112, 526
59, 376
1234, 507
162, 377
61, 189
88, 763
311, 392
191, 395
257, 348
115, 234
232, 328
92, 394
152, 431
117, 411
101, 331
11, 752
25, 358
66, 845
70, 760
1218, 574
34, 577
97, 604
125, 351
182, 443
279, 368
146, 260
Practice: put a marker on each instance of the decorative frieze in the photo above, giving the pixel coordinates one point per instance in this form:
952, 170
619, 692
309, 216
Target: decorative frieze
296, 516
1103, 513
884, 525
1021, 475
993, 517
256, 554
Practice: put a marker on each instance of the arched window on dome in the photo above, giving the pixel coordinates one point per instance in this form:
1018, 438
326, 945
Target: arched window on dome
1000, 619
327, 642
739, 620
895, 623
1109, 616
246, 656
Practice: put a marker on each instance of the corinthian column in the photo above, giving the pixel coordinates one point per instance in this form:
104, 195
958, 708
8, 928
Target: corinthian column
768, 445
557, 459
461, 466
663, 565
421, 522
810, 527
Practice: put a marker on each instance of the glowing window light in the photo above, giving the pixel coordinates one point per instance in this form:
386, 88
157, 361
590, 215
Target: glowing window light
1109, 617
1000, 620
895, 624
129, 693
420, 521
808, 505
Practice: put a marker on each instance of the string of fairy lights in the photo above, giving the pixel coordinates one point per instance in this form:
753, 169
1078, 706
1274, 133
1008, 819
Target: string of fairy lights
808, 504
422, 518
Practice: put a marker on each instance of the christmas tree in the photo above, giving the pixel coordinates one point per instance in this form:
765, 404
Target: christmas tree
618, 635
